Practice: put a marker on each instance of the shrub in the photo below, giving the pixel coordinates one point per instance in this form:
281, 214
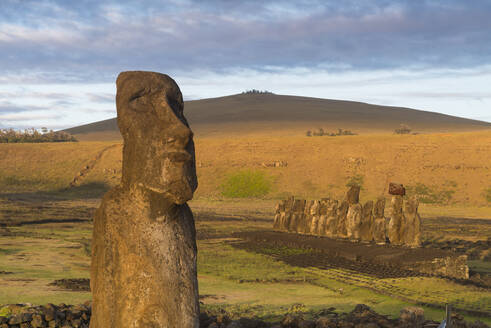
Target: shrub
247, 183
403, 129
321, 132
32, 135
432, 195
254, 91
487, 194
356, 180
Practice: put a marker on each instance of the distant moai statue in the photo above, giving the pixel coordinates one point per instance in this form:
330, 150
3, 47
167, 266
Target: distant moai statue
412, 224
331, 225
379, 224
367, 222
349, 219
354, 215
394, 230
143, 271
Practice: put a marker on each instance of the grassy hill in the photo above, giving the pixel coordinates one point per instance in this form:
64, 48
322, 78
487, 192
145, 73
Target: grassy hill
443, 168
278, 115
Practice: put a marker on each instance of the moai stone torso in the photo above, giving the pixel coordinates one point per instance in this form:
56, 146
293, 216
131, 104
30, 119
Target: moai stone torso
353, 221
279, 210
321, 225
331, 226
143, 271
341, 212
285, 218
353, 217
315, 217
366, 227
304, 221
411, 227
395, 223
379, 230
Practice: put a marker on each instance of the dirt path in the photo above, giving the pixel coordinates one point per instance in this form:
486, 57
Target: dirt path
77, 180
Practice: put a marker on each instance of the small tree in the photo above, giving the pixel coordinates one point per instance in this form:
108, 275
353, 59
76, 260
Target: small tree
403, 129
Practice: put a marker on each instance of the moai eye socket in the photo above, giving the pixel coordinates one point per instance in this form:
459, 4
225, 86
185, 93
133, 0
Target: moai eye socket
140, 101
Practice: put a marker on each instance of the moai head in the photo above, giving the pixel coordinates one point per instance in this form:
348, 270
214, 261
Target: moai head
158, 151
411, 205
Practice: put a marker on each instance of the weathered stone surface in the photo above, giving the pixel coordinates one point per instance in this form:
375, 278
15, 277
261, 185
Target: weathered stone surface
280, 208
353, 221
353, 195
396, 219
366, 226
331, 225
396, 189
315, 215
411, 228
297, 214
379, 229
357, 222
143, 271
341, 212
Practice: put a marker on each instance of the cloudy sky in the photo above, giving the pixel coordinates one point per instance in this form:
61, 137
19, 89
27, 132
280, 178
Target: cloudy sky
59, 59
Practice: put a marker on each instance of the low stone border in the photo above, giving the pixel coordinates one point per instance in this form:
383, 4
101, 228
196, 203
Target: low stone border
78, 316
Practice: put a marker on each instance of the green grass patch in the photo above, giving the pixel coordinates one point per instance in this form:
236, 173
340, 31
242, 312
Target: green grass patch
432, 194
487, 194
355, 180
246, 184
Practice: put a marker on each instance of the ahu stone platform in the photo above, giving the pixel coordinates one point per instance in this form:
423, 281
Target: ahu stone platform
373, 236
352, 220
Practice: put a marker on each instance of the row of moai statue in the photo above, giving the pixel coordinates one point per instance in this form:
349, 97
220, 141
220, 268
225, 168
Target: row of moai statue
349, 219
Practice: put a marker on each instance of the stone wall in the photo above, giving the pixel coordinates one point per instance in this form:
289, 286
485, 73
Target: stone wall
20, 316
350, 219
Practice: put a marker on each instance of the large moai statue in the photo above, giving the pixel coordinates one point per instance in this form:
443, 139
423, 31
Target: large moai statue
411, 228
143, 271
379, 225
321, 225
366, 226
315, 217
279, 211
297, 214
353, 217
396, 218
288, 213
306, 219
331, 226
341, 213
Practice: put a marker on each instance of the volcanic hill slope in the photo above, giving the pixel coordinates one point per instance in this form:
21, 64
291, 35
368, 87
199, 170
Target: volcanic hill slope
279, 115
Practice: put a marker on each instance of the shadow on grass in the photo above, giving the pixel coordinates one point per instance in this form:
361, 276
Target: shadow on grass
84, 191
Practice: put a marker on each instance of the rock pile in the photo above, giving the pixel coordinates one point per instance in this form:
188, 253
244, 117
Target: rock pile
46, 316
349, 219
362, 316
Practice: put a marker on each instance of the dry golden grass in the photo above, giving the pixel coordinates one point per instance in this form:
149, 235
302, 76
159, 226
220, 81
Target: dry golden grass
458, 163
321, 166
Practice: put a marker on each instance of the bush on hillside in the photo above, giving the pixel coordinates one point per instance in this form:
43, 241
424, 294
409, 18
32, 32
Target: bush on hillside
355, 180
247, 183
487, 194
320, 133
403, 129
432, 195
254, 91
32, 135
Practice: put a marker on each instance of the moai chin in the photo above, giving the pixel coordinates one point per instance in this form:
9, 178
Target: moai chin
143, 271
